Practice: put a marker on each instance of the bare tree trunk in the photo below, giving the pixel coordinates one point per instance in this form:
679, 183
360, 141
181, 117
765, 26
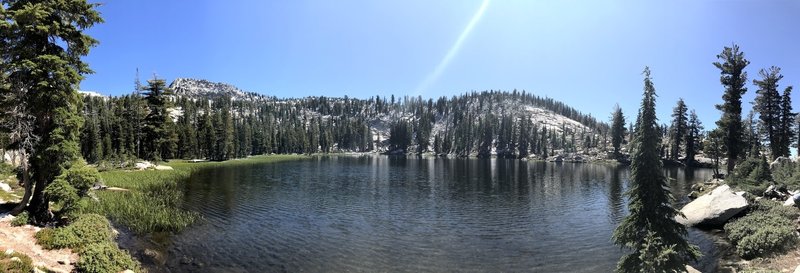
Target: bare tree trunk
26, 182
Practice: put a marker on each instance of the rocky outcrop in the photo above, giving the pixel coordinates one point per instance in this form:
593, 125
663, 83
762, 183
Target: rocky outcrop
712, 209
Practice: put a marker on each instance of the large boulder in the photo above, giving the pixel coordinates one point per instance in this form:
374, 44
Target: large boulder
713, 209
792, 200
143, 165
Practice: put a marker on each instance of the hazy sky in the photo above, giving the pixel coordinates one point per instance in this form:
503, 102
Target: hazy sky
589, 54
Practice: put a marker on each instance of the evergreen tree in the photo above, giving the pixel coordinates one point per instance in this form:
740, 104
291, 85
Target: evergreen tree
41, 45
733, 77
787, 118
679, 127
695, 127
657, 241
523, 141
713, 148
768, 106
159, 136
617, 129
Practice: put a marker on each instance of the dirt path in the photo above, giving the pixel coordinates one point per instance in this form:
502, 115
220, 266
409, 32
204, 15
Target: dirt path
21, 239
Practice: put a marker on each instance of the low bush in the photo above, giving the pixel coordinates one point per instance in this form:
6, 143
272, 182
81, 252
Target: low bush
766, 230
753, 172
71, 186
15, 263
87, 229
21, 219
104, 257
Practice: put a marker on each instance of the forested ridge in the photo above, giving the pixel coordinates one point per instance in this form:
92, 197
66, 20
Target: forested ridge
201, 119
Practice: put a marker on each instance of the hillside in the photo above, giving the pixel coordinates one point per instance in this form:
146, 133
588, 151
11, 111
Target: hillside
219, 121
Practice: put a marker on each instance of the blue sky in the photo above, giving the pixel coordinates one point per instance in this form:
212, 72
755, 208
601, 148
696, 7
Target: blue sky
589, 54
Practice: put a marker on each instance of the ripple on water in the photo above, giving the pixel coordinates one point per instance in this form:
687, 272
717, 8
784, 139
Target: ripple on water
383, 214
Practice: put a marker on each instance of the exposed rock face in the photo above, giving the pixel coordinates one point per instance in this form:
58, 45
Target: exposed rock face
198, 88
713, 209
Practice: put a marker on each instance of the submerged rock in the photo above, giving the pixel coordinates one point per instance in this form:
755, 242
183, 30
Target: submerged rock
712, 209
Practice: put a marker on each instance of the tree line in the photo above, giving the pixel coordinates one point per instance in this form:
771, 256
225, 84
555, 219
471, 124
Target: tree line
155, 124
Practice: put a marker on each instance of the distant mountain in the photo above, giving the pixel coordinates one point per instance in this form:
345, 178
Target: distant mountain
218, 121
488, 106
198, 88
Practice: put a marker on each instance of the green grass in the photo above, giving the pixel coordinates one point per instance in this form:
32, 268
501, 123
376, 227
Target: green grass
153, 203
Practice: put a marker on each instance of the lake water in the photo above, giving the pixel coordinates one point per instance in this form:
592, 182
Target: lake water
396, 214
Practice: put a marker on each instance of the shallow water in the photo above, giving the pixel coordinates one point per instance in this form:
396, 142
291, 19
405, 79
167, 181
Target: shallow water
396, 214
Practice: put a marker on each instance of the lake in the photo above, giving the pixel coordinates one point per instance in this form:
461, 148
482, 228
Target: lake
398, 214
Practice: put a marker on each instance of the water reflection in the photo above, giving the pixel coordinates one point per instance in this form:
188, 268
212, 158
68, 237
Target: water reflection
378, 213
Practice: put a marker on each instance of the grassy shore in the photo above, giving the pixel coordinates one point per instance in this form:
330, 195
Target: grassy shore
152, 199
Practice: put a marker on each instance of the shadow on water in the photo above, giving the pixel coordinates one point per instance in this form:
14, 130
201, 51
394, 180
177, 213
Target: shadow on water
385, 213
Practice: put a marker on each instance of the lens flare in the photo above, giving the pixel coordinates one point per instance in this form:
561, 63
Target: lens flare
453, 50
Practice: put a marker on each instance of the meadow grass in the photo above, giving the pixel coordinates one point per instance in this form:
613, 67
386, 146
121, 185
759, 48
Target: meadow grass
153, 200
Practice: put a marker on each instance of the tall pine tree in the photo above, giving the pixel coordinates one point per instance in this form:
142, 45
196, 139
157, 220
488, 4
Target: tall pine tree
657, 241
786, 128
733, 77
768, 106
41, 46
693, 132
679, 127
617, 129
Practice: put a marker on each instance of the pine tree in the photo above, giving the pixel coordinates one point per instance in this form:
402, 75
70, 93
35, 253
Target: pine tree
787, 118
159, 136
657, 241
617, 129
695, 127
768, 106
679, 127
733, 77
42, 45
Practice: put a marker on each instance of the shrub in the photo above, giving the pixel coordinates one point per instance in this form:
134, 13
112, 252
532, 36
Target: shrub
753, 171
63, 194
72, 185
104, 257
21, 219
87, 229
10, 265
768, 229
